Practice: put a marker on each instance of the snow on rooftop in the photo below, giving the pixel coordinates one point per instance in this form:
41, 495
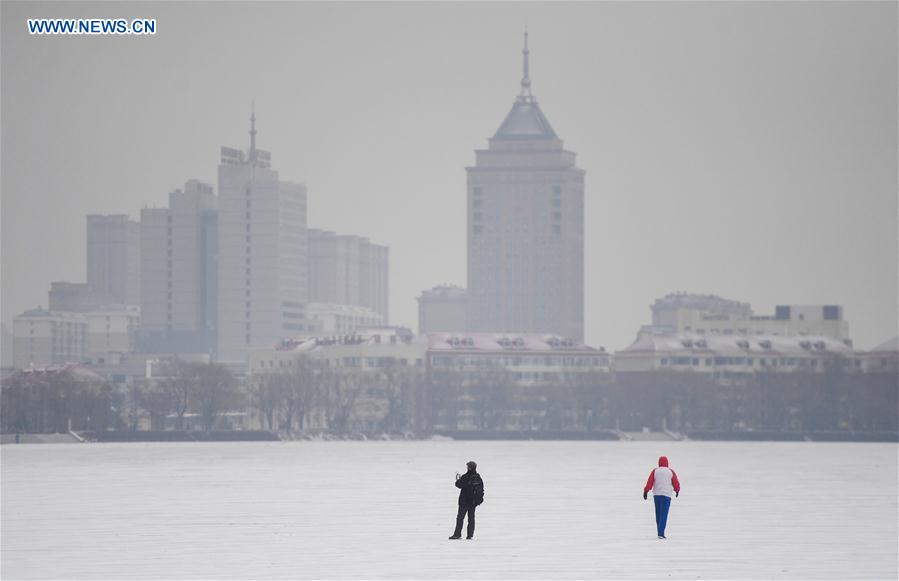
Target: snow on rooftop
715, 342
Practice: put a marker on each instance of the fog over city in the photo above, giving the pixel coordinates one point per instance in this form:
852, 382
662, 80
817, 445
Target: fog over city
742, 149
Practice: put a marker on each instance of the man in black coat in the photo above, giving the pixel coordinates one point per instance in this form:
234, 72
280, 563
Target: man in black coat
471, 494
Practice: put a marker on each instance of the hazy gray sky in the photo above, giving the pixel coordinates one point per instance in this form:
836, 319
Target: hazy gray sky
742, 149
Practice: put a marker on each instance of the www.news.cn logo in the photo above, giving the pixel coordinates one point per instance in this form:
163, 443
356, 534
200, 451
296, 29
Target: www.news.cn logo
91, 26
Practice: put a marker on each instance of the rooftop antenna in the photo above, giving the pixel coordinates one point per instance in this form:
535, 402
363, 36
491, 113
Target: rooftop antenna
253, 131
526, 78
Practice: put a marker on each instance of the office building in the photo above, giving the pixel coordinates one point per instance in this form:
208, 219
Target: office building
262, 286
526, 228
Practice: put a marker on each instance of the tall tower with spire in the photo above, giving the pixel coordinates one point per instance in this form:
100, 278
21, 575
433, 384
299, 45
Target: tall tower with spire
526, 227
261, 253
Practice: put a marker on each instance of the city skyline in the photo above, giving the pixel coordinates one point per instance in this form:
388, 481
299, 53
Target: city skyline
778, 190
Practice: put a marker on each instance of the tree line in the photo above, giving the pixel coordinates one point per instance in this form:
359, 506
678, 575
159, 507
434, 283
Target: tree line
314, 397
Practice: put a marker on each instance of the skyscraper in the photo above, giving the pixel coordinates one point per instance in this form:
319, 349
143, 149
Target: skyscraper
526, 227
113, 258
178, 271
262, 253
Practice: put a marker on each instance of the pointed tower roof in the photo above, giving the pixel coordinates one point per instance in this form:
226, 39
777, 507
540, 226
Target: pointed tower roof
525, 120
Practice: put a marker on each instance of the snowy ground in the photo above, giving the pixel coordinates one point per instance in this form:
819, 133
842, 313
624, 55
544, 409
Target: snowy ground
385, 509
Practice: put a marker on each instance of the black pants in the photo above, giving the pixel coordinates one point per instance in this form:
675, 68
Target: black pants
465, 508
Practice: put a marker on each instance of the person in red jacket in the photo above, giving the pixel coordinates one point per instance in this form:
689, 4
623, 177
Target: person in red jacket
663, 482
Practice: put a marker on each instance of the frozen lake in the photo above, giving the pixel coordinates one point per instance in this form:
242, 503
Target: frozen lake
385, 510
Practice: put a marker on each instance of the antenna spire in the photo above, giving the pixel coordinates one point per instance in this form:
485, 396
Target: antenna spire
526, 77
253, 131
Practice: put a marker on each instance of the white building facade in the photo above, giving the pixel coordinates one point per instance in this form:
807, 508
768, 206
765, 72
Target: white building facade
731, 356
530, 358
710, 314
42, 337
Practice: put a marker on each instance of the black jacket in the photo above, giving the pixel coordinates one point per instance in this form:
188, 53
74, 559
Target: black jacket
471, 489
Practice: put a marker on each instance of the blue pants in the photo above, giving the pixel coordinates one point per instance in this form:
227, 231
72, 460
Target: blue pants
663, 503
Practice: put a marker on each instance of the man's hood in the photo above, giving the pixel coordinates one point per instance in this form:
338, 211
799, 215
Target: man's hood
663, 461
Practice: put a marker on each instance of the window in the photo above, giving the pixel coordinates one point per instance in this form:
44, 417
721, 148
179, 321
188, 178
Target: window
557, 189
476, 204
477, 230
477, 191
476, 216
557, 229
831, 313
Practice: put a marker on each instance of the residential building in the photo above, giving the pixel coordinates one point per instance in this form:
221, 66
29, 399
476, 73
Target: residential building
525, 215
42, 337
179, 276
442, 308
330, 319
348, 270
111, 332
365, 350
710, 314
530, 358
262, 286
884, 358
113, 259
727, 356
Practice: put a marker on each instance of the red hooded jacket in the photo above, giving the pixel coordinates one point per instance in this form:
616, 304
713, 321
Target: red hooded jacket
662, 480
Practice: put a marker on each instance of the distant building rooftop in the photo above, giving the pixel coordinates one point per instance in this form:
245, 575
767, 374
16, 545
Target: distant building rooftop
505, 342
754, 344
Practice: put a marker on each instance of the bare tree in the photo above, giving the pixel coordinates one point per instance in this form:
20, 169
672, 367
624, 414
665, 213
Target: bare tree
301, 391
492, 390
343, 388
215, 392
266, 394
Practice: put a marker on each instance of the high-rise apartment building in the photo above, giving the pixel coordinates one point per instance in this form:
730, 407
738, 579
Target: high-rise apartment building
262, 283
526, 228
113, 258
348, 270
178, 272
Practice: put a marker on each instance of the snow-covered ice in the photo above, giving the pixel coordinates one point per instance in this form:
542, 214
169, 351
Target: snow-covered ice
385, 509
